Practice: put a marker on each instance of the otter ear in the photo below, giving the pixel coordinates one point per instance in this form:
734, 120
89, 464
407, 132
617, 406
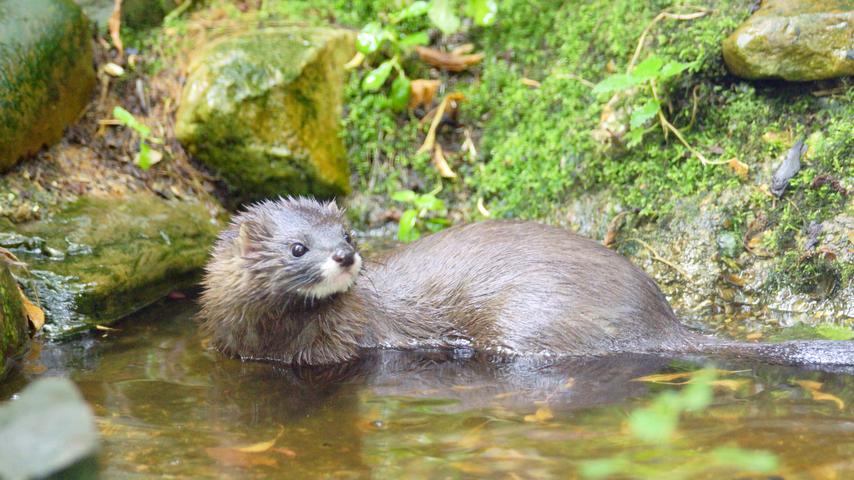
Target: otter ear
245, 239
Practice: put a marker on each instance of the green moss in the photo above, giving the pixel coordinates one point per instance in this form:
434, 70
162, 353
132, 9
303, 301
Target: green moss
13, 323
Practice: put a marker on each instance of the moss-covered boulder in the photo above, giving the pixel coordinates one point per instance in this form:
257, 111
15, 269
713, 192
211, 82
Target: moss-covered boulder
135, 13
263, 109
100, 259
794, 40
13, 322
46, 73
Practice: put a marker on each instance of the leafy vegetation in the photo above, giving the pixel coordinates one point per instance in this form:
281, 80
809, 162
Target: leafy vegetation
146, 156
425, 212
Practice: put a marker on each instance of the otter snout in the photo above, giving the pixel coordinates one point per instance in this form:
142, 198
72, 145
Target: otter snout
344, 256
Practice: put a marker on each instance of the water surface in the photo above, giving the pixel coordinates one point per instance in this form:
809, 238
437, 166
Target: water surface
166, 405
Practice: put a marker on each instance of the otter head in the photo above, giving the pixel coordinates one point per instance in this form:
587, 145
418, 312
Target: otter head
297, 248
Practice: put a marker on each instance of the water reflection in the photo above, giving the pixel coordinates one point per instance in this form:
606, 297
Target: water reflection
168, 406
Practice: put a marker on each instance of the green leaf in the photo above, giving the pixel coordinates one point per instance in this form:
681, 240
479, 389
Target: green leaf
673, 68
144, 156
483, 11
618, 81
442, 15
377, 77
405, 196
129, 120
414, 10
369, 38
417, 38
400, 92
750, 460
834, 332
645, 112
406, 231
429, 202
634, 137
648, 68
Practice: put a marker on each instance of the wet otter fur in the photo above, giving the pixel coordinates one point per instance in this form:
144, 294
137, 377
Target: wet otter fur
286, 283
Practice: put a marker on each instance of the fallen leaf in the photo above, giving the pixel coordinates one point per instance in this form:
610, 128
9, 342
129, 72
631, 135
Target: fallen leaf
262, 446
34, 314
448, 61
230, 457
441, 163
543, 414
815, 390
732, 385
463, 49
430, 139
354, 62
670, 377
114, 25
285, 451
482, 208
530, 82
740, 168
422, 93
754, 336
809, 384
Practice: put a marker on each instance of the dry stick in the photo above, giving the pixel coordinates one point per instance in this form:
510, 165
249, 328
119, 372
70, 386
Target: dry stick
661, 259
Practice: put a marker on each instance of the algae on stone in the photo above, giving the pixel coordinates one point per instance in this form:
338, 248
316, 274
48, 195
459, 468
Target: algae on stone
263, 109
46, 73
795, 40
100, 259
13, 320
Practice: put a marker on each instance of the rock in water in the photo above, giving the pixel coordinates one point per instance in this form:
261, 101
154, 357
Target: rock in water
13, 322
46, 73
46, 431
263, 108
795, 40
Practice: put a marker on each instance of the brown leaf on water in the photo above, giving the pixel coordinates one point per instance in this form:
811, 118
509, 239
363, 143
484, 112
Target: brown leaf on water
448, 61
234, 458
35, 315
670, 377
441, 163
543, 414
262, 446
815, 390
422, 92
285, 451
114, 25
740, 168
732, 385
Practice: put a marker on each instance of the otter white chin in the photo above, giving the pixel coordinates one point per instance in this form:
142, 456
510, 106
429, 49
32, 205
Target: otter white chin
286, 283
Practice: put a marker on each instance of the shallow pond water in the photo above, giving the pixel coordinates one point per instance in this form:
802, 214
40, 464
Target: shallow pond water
166, 405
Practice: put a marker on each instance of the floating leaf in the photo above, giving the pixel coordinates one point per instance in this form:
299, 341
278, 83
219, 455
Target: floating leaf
369, 38
400, 92
483, 12
543, 414
643, 114
815, 390
262, 446
448, 61
648, 68
377, 77
442, 15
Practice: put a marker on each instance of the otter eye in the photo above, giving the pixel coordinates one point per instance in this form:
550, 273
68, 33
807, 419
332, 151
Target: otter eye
348, 238
298, 249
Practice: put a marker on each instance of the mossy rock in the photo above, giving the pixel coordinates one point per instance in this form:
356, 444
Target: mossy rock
135, 13
100, 259
47, 73
263, 109
13, 321
794, 40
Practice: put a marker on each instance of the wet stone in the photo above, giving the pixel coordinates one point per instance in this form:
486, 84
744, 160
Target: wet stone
796, 40
100, 259
13, 322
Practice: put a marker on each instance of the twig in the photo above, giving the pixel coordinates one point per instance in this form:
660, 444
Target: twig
661, 16
661, 259
694, 107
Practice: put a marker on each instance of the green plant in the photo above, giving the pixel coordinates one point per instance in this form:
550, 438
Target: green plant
146, 157
655, 426
426, 212
390, 38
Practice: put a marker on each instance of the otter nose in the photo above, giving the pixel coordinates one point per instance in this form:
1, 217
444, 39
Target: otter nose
344, 257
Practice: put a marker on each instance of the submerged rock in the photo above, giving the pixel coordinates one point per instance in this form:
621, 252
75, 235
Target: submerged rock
794, 40
100, 259
47, 73
13, 321
48, 430
263, 109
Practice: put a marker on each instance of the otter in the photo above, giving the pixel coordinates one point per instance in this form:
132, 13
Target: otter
286, 283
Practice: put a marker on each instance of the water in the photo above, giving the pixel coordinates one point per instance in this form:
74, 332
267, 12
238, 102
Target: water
166, 405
